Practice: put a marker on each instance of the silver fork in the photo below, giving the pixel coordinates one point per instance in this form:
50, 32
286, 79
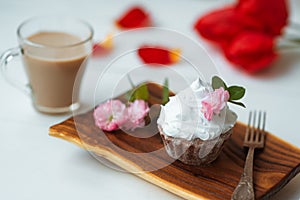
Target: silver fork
254, 138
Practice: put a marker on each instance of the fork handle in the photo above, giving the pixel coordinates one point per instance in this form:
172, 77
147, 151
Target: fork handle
244, 190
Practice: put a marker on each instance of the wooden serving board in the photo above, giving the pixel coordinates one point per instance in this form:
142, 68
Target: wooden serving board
274, 166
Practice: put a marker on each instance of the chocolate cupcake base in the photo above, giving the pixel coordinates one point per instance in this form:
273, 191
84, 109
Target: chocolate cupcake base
196, 151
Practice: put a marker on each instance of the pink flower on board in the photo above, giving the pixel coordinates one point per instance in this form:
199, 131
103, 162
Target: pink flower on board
136, 113
113, 114
214, 102
110, 115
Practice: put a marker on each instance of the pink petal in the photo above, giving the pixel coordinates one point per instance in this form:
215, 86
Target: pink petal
136, 112
110, 115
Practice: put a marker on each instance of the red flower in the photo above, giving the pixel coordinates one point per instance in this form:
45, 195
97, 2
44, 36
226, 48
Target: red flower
272, 14
222, 25
246, 31
134, 17
158, 55
251, 51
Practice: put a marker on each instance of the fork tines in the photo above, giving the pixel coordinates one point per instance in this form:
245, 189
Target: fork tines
255, 133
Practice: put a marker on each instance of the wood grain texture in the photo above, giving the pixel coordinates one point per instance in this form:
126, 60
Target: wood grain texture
274, 166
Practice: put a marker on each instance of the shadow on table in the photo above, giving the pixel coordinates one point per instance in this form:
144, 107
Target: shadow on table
290, 191
282, 65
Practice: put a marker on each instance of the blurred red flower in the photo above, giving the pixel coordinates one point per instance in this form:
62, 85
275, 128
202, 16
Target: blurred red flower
134, 17
271, 14
246, 31
222, 25
251, 51
158, 55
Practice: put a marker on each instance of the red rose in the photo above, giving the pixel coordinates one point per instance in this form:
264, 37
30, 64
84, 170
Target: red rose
134, 17
222, 25
251, 51
272, 14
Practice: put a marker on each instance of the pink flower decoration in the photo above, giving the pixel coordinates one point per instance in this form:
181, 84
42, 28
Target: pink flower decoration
207, 110
110, 115
214, 102
136, 113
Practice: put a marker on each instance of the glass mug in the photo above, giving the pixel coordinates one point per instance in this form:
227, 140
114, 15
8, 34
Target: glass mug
54, 51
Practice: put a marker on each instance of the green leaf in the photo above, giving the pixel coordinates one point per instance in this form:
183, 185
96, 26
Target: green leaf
217, 82
236, 92
237, 103
166, 93
141, 92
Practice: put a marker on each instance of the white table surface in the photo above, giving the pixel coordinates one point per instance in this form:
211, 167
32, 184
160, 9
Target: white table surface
36, 166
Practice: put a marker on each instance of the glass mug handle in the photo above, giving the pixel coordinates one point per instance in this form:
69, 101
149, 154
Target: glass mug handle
5, 58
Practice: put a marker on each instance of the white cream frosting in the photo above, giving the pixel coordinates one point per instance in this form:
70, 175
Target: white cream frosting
181, 117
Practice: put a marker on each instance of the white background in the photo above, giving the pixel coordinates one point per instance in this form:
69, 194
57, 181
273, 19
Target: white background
34, 165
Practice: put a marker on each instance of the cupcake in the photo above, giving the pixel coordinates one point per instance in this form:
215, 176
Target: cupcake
196, 122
